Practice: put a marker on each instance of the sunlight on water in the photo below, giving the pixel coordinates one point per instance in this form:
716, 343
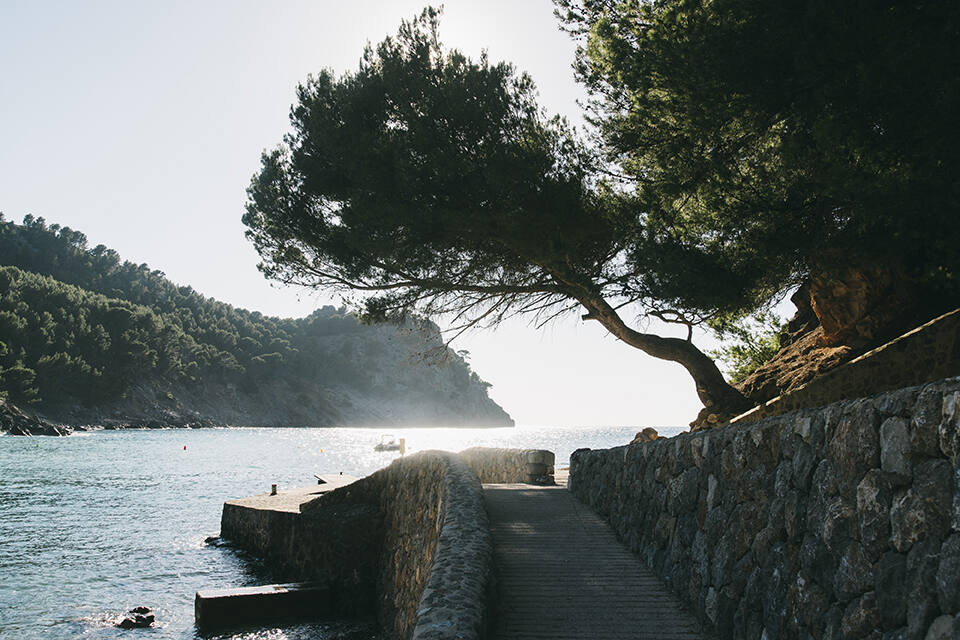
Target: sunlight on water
95, 524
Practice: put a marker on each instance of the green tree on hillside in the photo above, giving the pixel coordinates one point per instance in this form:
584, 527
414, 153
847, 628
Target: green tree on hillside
78, 325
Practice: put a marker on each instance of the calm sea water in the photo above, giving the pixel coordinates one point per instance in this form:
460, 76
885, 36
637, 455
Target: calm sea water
95, 524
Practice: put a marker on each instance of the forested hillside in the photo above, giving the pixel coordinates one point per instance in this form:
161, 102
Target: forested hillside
86, 338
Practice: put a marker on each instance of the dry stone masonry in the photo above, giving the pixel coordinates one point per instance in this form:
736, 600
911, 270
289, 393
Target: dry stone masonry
492, 466
411, 541
837, 522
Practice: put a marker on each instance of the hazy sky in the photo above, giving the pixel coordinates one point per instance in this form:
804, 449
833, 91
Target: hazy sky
141, 123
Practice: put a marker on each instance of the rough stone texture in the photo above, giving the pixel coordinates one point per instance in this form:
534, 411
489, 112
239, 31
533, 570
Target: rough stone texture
411, 541
429, 502
837, 522
456, 598
534, 466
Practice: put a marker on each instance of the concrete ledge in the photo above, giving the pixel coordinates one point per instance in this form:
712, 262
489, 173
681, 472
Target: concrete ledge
221, 608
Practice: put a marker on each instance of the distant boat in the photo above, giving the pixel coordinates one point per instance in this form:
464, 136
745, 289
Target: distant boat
390, 443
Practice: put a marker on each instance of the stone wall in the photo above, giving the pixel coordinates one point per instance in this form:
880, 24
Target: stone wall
431, 504
410, 541
837, 522
492, 465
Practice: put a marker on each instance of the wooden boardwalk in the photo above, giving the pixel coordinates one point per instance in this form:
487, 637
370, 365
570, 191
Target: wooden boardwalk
561, 573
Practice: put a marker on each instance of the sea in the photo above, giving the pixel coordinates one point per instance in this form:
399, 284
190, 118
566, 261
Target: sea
99, 522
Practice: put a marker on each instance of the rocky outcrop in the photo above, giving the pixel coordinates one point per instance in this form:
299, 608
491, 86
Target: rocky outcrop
646, 435
929, 352
840, 318
836, 522
17, 423
137, 618
864, 305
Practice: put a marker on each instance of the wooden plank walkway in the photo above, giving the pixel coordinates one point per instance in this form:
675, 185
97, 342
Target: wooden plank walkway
561, 573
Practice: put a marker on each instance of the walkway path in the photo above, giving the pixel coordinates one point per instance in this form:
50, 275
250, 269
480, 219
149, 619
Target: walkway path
561, 573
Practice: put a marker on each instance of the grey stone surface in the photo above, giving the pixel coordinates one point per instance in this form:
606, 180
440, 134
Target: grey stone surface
861, 617
891, 583
836, 522
949, 427
895, 447
940, 629
948, 574
410, 541
854, 574
922, 563
873, 511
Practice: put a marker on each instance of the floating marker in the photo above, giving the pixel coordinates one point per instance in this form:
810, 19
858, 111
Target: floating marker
184, 447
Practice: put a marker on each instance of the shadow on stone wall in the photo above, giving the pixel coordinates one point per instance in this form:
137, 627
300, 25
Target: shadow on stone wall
842, 521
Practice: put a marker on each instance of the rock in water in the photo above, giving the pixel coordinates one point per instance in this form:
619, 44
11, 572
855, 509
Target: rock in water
137, 618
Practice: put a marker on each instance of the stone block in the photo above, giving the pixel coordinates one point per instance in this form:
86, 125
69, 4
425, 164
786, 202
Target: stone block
861, 617
854, 574
922, 564
890, 577
854, 445
925, 509
895, 448
948, 575
874, 495
949, 428
926, 418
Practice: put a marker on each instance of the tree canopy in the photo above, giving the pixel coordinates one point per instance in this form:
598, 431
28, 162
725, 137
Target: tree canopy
428, 181
778, 140
743, 147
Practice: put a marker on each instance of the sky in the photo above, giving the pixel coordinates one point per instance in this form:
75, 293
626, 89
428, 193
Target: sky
141, 123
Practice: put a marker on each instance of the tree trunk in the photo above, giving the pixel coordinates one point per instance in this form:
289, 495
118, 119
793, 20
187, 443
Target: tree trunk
721, 401
715, 393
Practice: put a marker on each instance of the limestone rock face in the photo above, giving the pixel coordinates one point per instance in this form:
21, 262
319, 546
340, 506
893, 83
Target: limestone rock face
867, 304
839, 317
